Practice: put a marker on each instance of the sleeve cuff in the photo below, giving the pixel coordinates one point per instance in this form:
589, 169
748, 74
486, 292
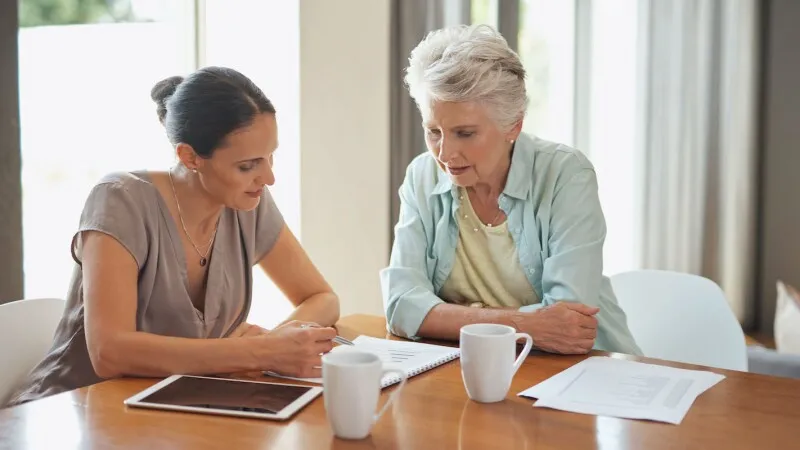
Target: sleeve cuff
532, 308
411, 312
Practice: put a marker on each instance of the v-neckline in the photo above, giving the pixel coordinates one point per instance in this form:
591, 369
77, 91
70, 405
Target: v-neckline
212, 281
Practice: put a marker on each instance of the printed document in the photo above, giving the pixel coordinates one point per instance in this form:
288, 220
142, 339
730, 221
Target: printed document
607, 386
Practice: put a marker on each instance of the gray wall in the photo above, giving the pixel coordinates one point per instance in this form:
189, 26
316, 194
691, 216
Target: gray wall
10, 185
779, 229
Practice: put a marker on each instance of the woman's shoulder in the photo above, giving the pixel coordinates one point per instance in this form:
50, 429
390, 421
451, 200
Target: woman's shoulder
423, 173
552, 156
122, 194
542, 167
135, 180
135, 186
120, 204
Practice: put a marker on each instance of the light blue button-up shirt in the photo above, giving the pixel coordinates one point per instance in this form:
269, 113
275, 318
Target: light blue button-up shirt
555, 219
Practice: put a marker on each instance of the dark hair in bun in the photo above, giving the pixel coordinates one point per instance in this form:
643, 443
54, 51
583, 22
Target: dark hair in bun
206, 106
161, 92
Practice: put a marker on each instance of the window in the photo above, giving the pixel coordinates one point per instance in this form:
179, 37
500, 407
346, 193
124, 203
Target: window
612, 127
484, 12
86, 69
547, 49
546, 41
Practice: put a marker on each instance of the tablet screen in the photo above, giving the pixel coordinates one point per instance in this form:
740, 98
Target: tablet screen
225, 394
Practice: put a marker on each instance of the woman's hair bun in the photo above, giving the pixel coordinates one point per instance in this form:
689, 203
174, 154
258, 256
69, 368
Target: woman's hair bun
161, 92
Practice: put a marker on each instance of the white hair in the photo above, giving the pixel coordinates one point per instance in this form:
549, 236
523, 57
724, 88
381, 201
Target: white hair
465, 64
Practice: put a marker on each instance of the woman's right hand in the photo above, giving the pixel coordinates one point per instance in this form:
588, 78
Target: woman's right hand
295, 349
563, 327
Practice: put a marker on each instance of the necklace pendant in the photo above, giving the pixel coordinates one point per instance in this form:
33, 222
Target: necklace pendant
203, 262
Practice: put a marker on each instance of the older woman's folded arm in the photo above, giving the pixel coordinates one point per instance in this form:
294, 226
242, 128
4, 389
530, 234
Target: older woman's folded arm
574, 270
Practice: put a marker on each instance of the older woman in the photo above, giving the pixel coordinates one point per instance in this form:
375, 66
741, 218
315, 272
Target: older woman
495, 225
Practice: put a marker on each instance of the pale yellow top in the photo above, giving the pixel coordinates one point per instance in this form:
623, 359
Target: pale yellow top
487, 267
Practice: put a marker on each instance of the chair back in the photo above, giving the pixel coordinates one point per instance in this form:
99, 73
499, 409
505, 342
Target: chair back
26, 334
681, 317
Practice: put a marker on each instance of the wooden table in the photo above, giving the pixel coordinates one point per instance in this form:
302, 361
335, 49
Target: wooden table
743, 411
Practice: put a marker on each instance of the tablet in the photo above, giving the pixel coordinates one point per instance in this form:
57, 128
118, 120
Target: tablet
225, 396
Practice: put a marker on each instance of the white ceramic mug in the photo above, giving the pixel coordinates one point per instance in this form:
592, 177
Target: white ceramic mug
488, 362
351, 383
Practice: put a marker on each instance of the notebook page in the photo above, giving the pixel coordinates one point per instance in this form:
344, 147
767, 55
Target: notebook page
411, 357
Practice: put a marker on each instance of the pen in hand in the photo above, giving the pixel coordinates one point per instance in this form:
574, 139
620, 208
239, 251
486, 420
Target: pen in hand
338, 339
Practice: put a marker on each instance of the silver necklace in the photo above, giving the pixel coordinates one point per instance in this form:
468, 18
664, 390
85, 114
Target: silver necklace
496, 216
203, 257
494, 219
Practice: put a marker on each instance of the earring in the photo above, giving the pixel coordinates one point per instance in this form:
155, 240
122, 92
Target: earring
194, 170
510, 141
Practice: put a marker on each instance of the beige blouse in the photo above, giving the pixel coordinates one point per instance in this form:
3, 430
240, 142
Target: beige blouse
486, 269
129, 208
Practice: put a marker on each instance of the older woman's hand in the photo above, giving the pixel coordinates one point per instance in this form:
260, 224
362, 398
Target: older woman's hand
564, 327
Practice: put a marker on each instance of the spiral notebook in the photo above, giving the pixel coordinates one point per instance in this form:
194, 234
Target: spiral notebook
413, 358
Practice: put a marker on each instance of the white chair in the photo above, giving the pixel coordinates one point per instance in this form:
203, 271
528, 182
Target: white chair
26, 331
681, 317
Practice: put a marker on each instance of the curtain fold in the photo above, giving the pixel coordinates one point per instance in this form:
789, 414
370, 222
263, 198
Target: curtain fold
700, 157
11, 265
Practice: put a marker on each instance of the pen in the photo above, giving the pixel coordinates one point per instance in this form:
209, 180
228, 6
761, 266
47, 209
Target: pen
338, 339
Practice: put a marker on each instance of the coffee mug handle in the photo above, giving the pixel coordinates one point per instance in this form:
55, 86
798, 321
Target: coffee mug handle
393, 395
525, 350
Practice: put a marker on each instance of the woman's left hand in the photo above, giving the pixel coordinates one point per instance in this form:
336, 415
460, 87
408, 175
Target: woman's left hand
248, 330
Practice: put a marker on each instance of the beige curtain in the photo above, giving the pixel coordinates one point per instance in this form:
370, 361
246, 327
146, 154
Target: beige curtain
11, 277
698, 139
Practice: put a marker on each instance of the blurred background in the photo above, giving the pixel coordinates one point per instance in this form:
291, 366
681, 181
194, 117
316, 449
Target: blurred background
689, 110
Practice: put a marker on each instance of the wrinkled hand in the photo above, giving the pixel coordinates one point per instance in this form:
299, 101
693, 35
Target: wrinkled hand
564, 327
295, 348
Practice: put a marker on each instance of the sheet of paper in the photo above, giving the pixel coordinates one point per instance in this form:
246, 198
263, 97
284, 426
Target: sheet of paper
627, 389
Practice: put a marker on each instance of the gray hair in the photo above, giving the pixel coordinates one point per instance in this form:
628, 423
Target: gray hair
469, 63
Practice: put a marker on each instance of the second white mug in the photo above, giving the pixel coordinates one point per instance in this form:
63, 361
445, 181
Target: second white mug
488, 363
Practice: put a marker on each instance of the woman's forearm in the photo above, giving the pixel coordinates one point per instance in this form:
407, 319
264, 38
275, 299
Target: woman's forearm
322, 309
445, 320
145, 354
